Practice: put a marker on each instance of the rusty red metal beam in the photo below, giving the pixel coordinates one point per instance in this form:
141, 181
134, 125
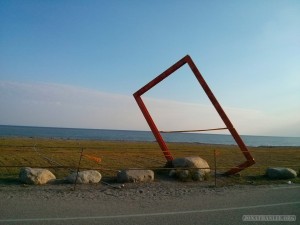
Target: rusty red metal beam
153, 128
188, 60
221, 112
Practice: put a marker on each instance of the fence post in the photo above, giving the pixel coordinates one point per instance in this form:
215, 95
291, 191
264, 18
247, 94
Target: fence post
215, 161
78, 169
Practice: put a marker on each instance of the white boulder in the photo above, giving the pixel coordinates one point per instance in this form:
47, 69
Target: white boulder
135, 175
85, 177
281, 173
199, 168
29, 175
191, 162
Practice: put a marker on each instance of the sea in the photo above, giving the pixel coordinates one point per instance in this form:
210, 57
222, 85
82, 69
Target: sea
131, 135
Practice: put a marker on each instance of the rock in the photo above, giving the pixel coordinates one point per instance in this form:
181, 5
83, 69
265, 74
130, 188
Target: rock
172, 173
85, 177
133, 175
199, 175
29, 175
183, 175
281, 173
192, 162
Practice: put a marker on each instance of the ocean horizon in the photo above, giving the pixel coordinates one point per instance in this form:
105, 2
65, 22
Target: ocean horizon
133, 135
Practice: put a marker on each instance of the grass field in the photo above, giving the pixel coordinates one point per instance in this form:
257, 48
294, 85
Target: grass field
116, 155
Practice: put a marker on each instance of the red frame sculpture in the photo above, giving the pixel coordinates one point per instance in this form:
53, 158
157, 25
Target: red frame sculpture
187, 59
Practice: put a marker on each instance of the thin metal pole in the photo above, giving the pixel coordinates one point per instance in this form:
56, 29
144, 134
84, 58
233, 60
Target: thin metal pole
78, 169
183, 131
215, 161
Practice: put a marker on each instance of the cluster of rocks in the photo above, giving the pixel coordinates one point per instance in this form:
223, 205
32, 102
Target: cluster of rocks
37, 176
194, 168
188, 168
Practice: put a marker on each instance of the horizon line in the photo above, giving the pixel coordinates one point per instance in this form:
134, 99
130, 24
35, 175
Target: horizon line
112, 129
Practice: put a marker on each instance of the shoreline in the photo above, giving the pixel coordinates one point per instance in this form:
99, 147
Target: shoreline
135, 141
131, 135
126, 130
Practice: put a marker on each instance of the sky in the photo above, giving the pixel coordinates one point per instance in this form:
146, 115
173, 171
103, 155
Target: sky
72, 63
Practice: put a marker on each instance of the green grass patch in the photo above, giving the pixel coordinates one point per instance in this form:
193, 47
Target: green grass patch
117, 155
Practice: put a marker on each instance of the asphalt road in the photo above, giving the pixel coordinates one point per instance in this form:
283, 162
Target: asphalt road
226, 207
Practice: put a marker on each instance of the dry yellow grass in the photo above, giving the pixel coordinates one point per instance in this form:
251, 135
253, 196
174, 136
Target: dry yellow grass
116, 155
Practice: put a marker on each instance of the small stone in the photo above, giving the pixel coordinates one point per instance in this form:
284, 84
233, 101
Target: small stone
198, 175
183, 175
172, 173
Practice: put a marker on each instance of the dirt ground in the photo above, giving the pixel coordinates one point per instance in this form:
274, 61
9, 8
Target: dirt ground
158, 190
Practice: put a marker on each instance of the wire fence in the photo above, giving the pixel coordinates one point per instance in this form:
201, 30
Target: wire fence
111, 157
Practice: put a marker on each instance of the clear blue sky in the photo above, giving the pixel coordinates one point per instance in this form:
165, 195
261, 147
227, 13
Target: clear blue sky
76, 63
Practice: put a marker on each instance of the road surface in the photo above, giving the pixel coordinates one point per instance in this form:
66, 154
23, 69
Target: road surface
149, 206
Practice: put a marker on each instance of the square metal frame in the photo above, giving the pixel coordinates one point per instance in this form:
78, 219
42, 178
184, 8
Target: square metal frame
188, 60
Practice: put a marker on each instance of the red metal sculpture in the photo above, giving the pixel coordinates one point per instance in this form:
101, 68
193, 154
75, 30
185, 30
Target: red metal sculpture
187, 59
